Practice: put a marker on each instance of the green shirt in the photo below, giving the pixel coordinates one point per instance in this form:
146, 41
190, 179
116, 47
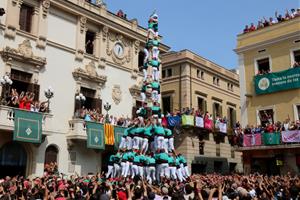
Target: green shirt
111, 158
177, 160
168, 132
136, 159
151, 160
155, 43
159, 130
155, 86
171, 160
154, 63
142, 112
182, 159
139, 131
164, 157
148, 131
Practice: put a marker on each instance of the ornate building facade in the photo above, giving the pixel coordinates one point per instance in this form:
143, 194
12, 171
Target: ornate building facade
74, 47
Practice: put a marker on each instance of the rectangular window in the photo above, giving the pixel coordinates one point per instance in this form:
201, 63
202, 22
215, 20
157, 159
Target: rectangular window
166, 104
218, 81
25, 18
263, 66
89, 42
296, 58
231, 117
202, 75
163, 73
169, 72
266, 117
201, 104
217, 110
90, 102
214, 80
298, 111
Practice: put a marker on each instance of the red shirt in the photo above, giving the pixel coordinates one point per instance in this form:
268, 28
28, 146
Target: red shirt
22, 104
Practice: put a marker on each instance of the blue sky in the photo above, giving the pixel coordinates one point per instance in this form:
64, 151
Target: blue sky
208, 28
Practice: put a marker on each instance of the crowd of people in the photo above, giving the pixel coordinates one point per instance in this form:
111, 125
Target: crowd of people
269, 22
121, 14
199, 187
25, 100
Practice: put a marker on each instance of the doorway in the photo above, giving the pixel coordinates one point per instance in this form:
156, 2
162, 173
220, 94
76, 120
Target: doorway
13, 160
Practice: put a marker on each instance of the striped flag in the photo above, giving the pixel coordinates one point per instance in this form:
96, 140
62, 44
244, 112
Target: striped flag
109, 134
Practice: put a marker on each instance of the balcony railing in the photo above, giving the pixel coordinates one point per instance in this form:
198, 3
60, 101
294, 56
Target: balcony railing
270, 140
7, 119
77, 129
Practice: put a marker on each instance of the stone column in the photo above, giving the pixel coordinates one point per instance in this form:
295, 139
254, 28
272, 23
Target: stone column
12, 18
43, 24
97, 44
80, 38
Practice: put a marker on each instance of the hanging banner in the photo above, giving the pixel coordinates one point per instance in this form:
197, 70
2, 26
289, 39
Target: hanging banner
290, 136
199, 122
95, 135
277, 81
119, 132
187, 120
109, 134
271, 138
252, 140
173, 121
223, 127
28, 126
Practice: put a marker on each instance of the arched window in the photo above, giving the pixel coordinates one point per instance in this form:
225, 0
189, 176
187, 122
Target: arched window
13, 159
51, 154
141, 60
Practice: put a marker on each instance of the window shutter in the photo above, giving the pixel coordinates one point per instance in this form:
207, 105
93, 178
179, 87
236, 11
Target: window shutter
204, 106
214, 111
220, 111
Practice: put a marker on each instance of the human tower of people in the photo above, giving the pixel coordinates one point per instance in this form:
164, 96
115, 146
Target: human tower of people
147, 147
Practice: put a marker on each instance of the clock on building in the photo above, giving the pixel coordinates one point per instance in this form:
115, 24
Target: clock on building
119, 50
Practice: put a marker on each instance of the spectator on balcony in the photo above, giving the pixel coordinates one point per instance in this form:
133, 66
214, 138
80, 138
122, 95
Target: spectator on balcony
260, 25
252, 27
246, 29
271, 21
120, 13
279, 17
296, 64
266, 22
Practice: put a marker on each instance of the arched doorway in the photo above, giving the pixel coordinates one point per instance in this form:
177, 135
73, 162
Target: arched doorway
51, 154
13, 159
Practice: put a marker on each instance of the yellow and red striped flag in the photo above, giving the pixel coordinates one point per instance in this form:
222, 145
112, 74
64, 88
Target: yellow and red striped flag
109, 134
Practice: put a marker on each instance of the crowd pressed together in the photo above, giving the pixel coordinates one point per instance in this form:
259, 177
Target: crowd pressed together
199, 187
269, 22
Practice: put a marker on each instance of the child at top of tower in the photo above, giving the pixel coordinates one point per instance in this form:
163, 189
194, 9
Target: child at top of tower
153, 25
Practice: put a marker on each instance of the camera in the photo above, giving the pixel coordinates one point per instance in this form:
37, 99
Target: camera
2, 11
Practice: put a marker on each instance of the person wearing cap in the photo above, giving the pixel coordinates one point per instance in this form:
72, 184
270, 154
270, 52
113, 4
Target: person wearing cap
159, 132
155, 64
146, 136
155, 93
151, 170
172, 167
110, 166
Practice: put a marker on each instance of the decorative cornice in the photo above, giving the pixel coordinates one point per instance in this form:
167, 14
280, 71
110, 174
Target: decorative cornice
23, 54
45, 7
90, 74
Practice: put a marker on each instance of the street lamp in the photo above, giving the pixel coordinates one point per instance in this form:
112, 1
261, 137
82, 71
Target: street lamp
49, 93
81, 98
5, 82
107, 107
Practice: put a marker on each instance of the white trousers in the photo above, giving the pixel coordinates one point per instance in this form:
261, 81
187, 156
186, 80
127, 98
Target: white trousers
137, 141
141, 171
122, 143
155, 96
171, 144
164, 170
155, 74
166, 144
116, 170
151, 174
155, 52
145, 74
143, 96
110, 171
125, 168
146, 55
173, 173
152, 33
128, 143
160, 142
145, 144
179, 175
135, 171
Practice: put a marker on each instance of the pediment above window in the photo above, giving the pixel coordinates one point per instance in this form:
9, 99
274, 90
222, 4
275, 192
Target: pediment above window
89, 74
23, 54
